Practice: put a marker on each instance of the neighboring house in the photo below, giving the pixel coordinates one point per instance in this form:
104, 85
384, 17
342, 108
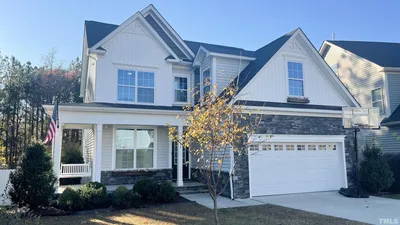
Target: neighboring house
137, 75
371, 72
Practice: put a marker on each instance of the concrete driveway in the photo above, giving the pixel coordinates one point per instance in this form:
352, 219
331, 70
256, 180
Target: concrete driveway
370, 210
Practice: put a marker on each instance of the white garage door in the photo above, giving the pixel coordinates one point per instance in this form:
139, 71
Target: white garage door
296, 166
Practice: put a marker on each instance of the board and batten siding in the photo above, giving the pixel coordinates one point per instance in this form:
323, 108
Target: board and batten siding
88, 146
181, 69
271, 83
227, 70
393, 81
162, 148
134, 48
107, 146
357, 74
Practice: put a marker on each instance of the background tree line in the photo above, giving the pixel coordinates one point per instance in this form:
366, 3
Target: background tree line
24, 88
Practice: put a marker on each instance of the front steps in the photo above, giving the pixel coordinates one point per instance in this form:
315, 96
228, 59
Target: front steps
191, 187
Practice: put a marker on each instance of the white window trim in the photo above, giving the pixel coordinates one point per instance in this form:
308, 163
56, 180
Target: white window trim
136, 86
382, 102
294, 59
114, 149
188, 90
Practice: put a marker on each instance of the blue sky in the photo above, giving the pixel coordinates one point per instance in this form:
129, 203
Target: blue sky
28, 29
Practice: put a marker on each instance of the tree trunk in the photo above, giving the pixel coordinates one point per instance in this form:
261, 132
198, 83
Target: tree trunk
216, 220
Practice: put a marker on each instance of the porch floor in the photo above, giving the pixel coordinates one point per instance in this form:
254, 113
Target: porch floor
112, 188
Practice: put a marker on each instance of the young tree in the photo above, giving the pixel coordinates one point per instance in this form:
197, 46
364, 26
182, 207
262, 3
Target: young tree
214, 128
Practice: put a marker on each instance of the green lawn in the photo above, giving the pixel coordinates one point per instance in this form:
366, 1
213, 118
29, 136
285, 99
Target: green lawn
192, 213
393, 196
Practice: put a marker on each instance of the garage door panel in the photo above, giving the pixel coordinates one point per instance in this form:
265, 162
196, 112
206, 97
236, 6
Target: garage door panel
293, 171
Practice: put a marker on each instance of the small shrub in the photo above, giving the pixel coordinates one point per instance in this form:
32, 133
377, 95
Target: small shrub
70, 200
33, 182
15, 216
166, 192
147, 189
375, 173
394, 164
135, 199
122, 198
93, 195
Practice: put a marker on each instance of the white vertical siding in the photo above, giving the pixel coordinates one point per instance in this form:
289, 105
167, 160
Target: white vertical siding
182, 69
88, 145
134, 48
91, 81
162, 147
393, 81
227, 70
107, 146
271, 82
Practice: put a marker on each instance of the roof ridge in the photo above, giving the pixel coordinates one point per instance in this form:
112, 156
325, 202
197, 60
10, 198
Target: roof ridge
226, 46
380, 42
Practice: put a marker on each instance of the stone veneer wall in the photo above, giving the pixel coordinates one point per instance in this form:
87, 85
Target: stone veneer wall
131, 177
300, 125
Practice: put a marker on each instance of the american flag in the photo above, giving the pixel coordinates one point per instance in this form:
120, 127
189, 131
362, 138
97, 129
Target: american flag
51, 133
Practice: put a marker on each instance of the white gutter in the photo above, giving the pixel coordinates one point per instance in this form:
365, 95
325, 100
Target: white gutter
49, 110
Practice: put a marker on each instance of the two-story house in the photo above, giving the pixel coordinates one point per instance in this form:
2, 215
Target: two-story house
138, 75
371, 72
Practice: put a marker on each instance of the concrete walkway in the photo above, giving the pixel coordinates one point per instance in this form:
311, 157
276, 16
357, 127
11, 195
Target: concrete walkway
370, 210
204, 199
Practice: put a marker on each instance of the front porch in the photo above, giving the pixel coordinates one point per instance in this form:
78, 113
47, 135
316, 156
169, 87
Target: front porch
120, 147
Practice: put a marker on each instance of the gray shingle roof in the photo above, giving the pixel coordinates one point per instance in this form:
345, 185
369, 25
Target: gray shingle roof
165, 37
194, 46
96, 31
384, 54
263, 55
393, 118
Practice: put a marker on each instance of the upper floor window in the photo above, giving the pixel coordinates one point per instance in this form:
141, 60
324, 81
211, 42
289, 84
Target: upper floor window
295, 73
206, 82
377, 99
181, 89
135, 86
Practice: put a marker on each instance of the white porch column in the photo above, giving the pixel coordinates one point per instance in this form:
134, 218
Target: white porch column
57, 152
179, 180
97, 153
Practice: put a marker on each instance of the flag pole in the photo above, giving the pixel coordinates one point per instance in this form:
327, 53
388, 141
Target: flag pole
57, 122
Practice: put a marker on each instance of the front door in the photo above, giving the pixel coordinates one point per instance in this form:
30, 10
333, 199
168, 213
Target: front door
185, 161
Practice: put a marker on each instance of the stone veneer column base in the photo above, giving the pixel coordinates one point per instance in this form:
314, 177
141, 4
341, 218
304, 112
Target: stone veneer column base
131, 177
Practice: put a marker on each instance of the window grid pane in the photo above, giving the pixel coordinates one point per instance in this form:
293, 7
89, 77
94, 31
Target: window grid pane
253, 147
206, 81
312, 147
181, 91
289, 147
146, 95
145, 79
295, 73
124, 159
278, 147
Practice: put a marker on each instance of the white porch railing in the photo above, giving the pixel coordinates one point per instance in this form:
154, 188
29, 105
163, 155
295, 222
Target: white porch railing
75, 170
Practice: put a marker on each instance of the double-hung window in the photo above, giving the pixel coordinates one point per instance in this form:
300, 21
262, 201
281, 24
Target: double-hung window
295, 73
181, 89
135, 86
206, 82
377, 99
134, 148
